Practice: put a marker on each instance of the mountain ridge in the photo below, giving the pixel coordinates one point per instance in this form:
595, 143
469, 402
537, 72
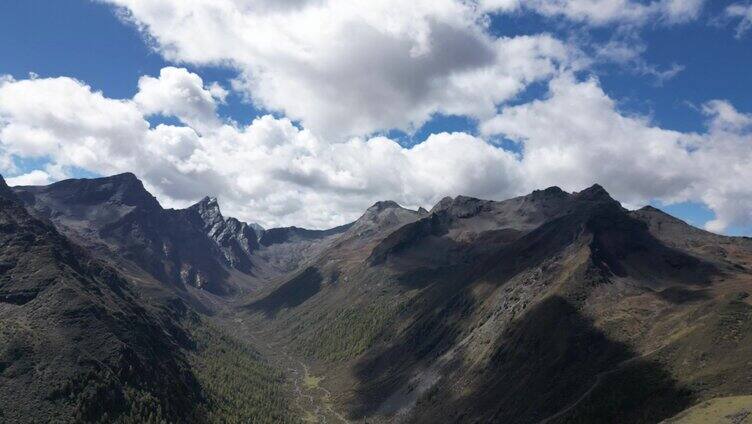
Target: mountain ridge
552, 306
453, 284
75, 337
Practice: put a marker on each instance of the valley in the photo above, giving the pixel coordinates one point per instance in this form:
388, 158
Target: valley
552, 307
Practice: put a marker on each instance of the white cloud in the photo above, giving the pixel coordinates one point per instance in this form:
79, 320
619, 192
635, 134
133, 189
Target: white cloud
499, 5
742, 12
725, 117
277, 173
353, 67
35, 177
63, 118
604, 12
181, 94
269, 171
628, 53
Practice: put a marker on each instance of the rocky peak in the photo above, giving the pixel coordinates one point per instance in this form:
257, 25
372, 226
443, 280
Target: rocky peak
444, 203
208, 203
122, 189
208, 211
211, 216
258, 229
650, 208
382, 215
383, 205
235, 239
461, 206
5, 191
595, 193
553, 192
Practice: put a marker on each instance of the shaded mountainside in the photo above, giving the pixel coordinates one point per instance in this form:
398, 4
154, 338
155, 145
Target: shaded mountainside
78, 343
118, 220
552, 306
75, 343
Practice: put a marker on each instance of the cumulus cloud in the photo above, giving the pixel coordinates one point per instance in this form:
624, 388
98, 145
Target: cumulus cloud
270, 171
64, 119
279, 173
353, 67
742, 13
35, 177
179, 93
577, 136
604, 12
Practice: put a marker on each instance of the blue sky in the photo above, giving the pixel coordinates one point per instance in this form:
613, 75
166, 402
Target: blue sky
87, 41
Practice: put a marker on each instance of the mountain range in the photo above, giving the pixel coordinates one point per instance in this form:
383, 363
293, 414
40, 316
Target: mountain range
552, 307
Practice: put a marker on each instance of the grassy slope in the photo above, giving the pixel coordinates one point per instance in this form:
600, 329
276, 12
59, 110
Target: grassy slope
727, 410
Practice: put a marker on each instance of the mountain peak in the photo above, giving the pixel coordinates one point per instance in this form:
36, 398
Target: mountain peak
382, 215
383, 205
444, 203
125, 180
553, 191
650, 208
5, 191
210, 215
207, 200
596, 192
208, 212
125, 176
207, 205
121, 189
461, 206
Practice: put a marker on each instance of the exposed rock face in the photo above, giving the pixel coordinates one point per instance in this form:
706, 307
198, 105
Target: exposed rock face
116, 217
236, 240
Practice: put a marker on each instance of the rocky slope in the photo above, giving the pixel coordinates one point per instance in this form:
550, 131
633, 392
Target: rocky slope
76, 343
118, 219
197, 247
235, 240
551, 307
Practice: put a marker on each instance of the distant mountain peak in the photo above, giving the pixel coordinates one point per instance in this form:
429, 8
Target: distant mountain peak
209, 201
444, 203
596, 192
553, 191
382, 215
208, 209
211, 214
124, 176
5, 191
460, 206
121, 189
383, 205
650, 208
